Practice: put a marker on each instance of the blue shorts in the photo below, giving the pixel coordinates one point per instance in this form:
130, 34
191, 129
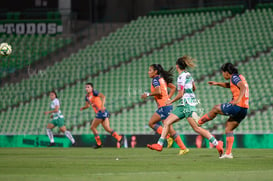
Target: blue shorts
103, 115
237, 113
164, 111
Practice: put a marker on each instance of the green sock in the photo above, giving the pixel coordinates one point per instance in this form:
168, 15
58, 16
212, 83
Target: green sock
213, 141
161, 141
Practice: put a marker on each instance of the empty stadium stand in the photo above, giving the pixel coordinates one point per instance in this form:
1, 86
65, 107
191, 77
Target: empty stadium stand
28, 49
244, 39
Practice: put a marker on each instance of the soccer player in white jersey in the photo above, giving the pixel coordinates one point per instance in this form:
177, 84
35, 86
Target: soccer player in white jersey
186, 108
57, 120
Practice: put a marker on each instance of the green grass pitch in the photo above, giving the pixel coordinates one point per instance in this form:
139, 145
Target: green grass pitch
76, 164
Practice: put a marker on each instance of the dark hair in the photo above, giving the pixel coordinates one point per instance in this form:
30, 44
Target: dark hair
185, 61
167, 75
230, 68
54, 93
89, 83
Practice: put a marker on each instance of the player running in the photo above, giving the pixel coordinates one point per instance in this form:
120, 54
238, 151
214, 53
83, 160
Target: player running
97, 100
186, 108
161, 79
236, 109
57, 120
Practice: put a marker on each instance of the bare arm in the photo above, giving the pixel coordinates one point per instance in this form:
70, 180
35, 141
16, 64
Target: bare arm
102, 100
154, 93
173, 89
177, 97
87, 105
193, 86
221, 84
53, 111
242, 88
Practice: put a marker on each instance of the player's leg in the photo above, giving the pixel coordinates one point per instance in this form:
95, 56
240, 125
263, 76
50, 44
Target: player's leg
172, 118
49, 128
152, 123
231, 124
93, 128
206, 134
198, 141
237, 114
106, 126
164, 112
178, 141
67, 134
160, 114
217, 109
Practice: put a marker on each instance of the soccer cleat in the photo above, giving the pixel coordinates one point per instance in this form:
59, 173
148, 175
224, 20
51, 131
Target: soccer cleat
52, 144
196, 118
74, 144
96, 146
229, 156
170, 142
220, 148
183, 152
156, 147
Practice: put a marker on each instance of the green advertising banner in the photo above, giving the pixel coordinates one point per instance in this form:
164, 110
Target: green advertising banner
241, 141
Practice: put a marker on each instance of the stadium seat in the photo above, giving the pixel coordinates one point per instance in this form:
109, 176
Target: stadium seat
236, 40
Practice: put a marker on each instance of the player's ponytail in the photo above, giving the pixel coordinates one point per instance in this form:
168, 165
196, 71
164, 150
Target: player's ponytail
230, 68
166, 74
185, 61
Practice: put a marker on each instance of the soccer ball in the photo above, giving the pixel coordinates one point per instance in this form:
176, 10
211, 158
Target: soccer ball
5, 49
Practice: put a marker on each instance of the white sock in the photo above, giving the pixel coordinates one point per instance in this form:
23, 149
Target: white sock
213, 140
50, 135
69, 136
161, 141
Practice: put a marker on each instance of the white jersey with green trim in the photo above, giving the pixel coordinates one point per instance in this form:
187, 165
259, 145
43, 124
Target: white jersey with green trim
53, 104
185, 82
